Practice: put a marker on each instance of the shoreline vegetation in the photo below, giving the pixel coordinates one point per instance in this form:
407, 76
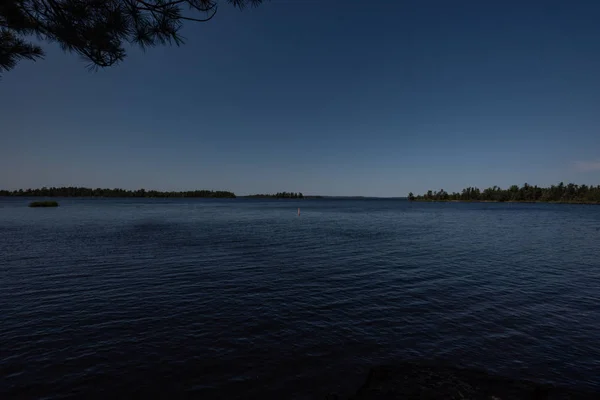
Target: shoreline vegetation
561, 193
99, 192
280, 195
558, 194
142, 193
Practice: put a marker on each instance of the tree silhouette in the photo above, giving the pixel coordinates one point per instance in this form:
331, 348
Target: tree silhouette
279, 195
562, 193
99, 192
97, 29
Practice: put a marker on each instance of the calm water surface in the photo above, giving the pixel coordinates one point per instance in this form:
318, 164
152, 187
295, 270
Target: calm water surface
243, 298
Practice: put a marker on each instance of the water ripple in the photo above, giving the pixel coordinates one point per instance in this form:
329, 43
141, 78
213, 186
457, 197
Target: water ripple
245, 299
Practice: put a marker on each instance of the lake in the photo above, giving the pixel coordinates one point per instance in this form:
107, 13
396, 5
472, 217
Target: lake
243, 298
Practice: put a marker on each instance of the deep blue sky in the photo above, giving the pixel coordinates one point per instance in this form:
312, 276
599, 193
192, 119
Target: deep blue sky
324, 97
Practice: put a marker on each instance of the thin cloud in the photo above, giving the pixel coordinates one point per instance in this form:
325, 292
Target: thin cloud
586, 166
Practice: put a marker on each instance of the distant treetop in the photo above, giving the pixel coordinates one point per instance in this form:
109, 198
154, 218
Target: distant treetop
99, 192
560, 193
97, 29
280, 195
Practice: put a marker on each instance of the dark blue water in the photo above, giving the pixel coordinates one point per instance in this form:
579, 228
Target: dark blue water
243, 298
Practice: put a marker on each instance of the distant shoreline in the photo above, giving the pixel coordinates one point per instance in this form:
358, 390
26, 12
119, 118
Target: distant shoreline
303, 198
72, 191
181, 197
506, 201
554, 194
280, 198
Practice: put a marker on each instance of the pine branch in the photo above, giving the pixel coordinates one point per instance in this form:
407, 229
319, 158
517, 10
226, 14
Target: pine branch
14, 49
96, 29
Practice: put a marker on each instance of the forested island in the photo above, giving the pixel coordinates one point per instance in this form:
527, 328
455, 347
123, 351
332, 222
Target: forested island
280, 195
561, 193
89, 192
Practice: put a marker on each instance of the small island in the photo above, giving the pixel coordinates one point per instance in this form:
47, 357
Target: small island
561, 193
43, 204
280, 195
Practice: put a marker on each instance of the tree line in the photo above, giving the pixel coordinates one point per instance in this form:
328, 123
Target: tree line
280, 195
560, 193
99, 192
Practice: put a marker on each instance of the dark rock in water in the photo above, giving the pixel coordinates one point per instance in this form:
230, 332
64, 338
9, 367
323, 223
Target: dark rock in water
422, 381
43, 204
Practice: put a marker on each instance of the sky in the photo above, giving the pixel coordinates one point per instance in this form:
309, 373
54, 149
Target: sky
330, 97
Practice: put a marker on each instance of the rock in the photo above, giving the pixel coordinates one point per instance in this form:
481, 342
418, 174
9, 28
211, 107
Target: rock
432, 382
